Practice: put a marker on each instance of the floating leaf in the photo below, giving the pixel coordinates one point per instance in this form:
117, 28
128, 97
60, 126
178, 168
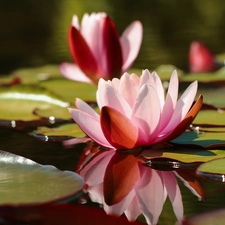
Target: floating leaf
190, 147
33, 75
24, 181
18, 102
59, 133
213, 170
70, 90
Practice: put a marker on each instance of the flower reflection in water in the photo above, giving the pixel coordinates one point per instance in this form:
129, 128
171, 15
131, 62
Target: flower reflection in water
133, 116
139, 189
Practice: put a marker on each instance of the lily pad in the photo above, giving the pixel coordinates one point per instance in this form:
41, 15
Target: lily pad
213, 170
24, 181
216, 117
70, 90
190, 147
60, 133
18, 102
33, 75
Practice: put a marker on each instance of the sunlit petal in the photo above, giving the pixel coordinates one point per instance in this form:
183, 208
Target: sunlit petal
131, 42
90, 126
146, 111
108, 96
73, 72
83, 106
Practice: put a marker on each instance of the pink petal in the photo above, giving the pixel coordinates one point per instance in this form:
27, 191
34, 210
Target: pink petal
128, 89
154, 80
82, 54
119, 208
72, 72
96, 193
151, 195
174, 193
108, 96
83, 106
131, 42
133, 210
171, 100
184, 124
182, 107
118, 129
121, 175
91, 30
111, 52
75, 22
94, 170
90, 126
146, 111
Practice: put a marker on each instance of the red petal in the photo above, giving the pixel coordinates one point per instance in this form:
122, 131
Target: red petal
121, 175
118, 129
82, 54
112, 48
183, 125
190, 178
201, 60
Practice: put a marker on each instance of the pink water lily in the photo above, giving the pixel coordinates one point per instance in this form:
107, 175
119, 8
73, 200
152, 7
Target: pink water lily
134, 115
134, 112
136, 190
97, 49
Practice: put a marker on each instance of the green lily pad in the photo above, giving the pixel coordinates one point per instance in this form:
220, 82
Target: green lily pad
213, 170
33, 75
18, 102
62, 132
190, 147
70, 90
24, 181
206, 77
210, 117
59, 113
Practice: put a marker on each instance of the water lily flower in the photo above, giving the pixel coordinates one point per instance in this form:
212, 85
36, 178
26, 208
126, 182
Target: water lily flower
201, 59
97, 49
135, 113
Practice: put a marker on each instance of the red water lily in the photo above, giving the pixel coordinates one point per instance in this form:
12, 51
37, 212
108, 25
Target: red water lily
201, 59
97, 49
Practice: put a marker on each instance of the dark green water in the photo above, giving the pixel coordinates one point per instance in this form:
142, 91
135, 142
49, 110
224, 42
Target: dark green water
35, 32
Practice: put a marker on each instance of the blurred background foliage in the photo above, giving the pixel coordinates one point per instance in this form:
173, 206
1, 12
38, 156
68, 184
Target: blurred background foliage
34, 33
